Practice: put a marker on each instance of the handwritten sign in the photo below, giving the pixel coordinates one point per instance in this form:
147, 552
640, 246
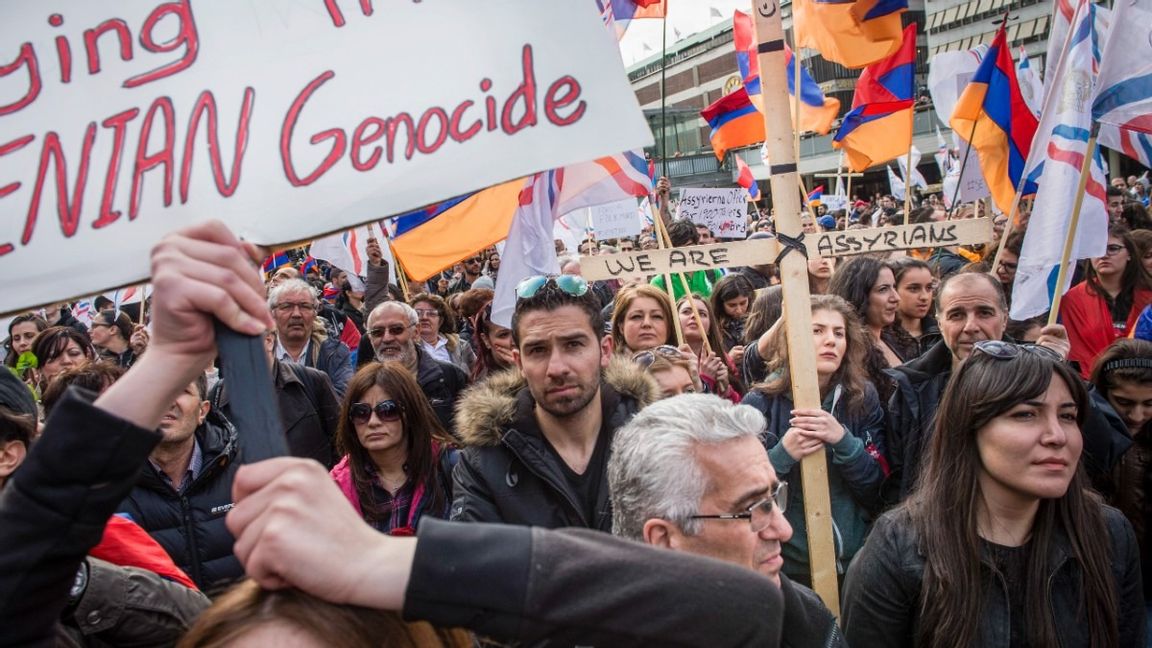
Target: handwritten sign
761, 251
120, 122
724, 211
616, 220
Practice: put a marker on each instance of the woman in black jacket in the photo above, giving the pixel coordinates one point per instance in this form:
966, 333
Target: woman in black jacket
1003, 543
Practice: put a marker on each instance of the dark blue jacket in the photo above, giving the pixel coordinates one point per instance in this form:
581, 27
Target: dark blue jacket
190, 525
854, 475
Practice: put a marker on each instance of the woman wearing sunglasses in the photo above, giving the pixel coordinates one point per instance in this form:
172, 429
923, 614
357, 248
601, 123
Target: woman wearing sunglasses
397, 462
1105, 306
848, 427
1003, 543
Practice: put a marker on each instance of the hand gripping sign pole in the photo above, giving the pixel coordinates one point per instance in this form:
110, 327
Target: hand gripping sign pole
794, 277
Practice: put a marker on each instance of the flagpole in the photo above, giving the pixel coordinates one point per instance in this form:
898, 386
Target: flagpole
796, 90
963, 163
661, 236
143, 300
1070, 236
663, 94
1010, 225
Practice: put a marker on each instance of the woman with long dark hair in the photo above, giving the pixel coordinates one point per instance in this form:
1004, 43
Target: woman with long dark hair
915, 330
22, 331
1003, 542
869, 286
848, 427
58, 348
717, 371
491, 344
1105, 306
732, 299
397, 461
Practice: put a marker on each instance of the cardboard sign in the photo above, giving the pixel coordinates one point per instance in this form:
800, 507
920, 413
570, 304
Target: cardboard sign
724, 211
121, 122
761, 251
616, 220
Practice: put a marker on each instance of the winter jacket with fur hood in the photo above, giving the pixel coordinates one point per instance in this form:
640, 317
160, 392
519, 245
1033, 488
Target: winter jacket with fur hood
507, 472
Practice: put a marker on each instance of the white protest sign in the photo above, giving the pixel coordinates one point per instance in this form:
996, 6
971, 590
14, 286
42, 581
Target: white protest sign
121, 122
724, 211
834, 202
616, 219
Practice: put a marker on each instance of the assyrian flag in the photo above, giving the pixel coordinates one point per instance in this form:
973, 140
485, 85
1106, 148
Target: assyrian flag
1060, 146
942, 154
896, 184
1031, 87
1124, 86
349, 252
83, 311
917, 178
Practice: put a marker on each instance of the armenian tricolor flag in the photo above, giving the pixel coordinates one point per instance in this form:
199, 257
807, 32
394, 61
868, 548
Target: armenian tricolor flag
816, 195
747, 180
275, 261
817, 112
879, 126
993, 116
853, 34
735, 122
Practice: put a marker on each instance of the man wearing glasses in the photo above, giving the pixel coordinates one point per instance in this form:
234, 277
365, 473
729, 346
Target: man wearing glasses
294, 306
690, 473
536, 441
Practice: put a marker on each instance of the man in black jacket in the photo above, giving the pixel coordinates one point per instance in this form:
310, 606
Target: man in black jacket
971, 308
392, 333
536, 440
691, 474
183, 493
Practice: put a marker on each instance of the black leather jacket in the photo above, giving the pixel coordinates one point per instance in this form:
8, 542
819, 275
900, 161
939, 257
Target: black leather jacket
883, 588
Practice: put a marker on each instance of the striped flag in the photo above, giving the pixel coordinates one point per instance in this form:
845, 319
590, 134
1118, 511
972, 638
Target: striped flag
1031, 88
746, 179
1124, 87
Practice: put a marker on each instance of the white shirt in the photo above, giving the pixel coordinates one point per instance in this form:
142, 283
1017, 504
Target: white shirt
438, 350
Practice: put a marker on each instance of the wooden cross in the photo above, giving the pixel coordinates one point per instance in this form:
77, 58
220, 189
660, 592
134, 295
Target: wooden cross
837, 243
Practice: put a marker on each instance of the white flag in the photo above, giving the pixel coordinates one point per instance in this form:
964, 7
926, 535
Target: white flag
941, 155
349, 252
895, 183
1060, 145
917, 179
529, 249
948, 74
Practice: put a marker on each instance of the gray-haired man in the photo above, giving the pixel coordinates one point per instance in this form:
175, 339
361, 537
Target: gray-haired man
691, 474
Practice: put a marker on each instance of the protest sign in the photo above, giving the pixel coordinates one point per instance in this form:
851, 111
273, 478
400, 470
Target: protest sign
121, 122
616, 220
724, 211
645, 263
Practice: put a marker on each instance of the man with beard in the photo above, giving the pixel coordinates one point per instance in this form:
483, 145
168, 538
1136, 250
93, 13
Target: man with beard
536, 439
392, 333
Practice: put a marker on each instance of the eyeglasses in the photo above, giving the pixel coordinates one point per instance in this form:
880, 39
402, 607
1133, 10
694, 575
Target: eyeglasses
387, 411
1001, 350
392, 329
427, 312
473, 260
569, 284
1010, 267
646, 358
289, 307
759, 515
1113, 248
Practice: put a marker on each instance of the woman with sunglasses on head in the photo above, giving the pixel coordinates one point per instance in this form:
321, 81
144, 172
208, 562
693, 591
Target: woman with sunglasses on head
397, 464
1105, 306
1003, 542
671, 369
717, 371
848, 427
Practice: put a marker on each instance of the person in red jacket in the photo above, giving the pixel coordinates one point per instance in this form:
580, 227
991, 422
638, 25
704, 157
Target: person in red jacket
1107, 303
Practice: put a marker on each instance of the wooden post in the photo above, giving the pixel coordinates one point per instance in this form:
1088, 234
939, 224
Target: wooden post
661, 237
797, 302
1070, 236
143, 300
1009, 226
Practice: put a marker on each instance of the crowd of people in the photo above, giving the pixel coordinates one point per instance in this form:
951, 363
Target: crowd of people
618, 466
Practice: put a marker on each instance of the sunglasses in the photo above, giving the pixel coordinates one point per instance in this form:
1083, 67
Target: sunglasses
387, 411
393, 329
569, 284
646, 358
1001, 350
1113, 249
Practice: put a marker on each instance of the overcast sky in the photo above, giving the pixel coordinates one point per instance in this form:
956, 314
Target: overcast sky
687, 16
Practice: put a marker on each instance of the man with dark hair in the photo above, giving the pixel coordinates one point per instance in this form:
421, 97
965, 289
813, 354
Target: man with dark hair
536, 438
1009, 260
1116, 198
683, 233
185, 489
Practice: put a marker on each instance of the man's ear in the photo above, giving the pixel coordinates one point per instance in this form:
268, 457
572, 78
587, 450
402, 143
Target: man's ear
205, 406
12, 454
661, 533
